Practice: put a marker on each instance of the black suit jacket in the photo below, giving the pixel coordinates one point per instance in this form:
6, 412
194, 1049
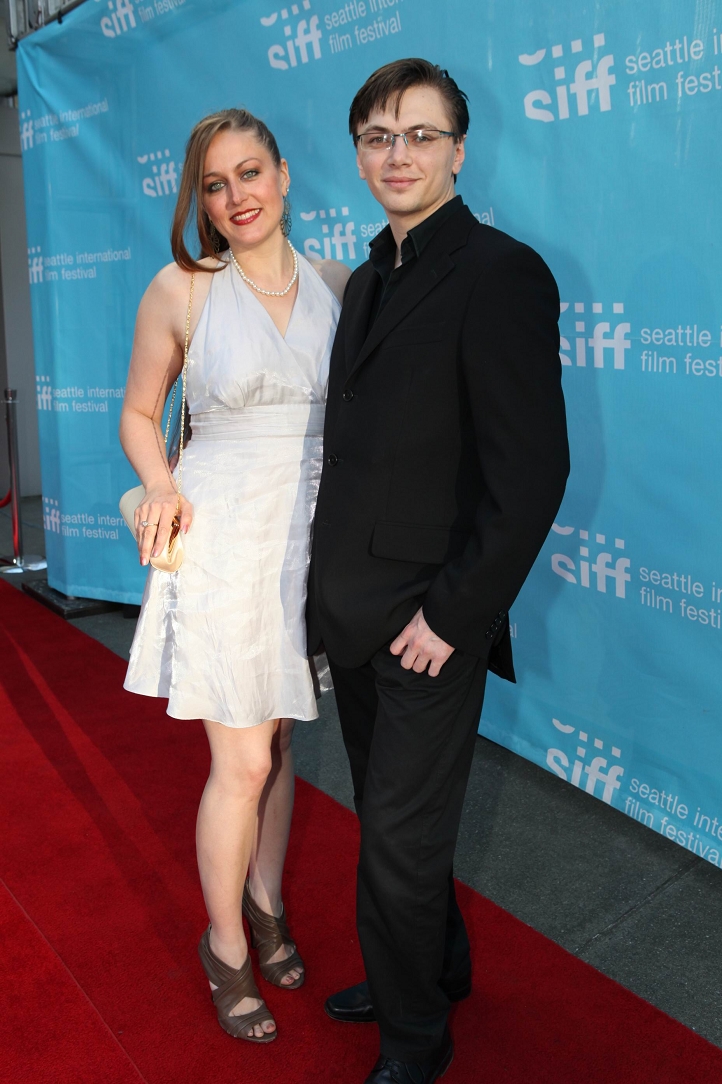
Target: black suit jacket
445, 448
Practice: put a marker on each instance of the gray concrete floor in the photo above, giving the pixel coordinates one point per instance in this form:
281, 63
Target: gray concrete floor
628, 901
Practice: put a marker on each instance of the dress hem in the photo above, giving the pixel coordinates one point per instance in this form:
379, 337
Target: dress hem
223, 722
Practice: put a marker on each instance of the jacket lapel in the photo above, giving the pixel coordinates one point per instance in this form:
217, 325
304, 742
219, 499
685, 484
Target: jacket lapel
420, 281
432, 266
357, 313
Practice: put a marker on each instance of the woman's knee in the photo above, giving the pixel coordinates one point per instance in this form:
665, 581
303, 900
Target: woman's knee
244, 776
241, 759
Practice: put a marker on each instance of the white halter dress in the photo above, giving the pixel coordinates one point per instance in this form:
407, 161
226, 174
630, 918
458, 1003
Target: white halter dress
224, 638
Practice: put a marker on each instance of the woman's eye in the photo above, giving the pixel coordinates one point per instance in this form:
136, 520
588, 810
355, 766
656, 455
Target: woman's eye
250, 174
216, 186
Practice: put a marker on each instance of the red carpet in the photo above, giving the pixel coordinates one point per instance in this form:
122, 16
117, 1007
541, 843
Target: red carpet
101, 911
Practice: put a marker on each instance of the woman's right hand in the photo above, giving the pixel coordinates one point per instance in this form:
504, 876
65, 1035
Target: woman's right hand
157, 510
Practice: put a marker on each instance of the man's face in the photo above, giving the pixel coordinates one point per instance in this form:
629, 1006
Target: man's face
411, 182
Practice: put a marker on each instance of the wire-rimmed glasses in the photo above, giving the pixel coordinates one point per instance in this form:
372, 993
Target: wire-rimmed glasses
415, 139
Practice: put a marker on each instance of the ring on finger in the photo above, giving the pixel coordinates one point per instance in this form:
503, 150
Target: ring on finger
145, 523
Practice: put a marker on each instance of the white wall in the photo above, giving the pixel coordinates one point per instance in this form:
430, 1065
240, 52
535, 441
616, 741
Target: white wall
16, 325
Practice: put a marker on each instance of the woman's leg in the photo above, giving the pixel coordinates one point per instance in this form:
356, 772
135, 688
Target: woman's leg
274, 824
227, 817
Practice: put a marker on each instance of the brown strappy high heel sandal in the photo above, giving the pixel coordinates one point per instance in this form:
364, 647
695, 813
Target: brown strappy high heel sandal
268, 934
232, 987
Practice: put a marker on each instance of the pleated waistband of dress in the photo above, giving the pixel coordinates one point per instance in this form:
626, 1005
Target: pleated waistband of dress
289, 420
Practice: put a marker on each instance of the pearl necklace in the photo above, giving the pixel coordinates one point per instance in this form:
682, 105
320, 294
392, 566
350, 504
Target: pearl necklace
268, 293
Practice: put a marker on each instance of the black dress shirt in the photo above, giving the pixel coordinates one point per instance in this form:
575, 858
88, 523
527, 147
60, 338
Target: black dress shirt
383, 253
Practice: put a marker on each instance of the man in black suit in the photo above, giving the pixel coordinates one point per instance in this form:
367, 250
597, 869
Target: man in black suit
445, 462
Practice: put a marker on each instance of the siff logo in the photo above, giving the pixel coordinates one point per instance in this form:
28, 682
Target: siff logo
35, 265
120, 20
600, 341
558, 762
581, 87
45, 392
26, 130
296, 47
603, 568
164, 175
342, 234
51, 515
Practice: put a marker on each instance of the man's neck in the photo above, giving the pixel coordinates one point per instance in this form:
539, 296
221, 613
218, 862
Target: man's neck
402, 224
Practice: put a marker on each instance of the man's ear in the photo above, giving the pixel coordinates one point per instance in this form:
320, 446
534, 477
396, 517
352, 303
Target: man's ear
361, 172
459, 156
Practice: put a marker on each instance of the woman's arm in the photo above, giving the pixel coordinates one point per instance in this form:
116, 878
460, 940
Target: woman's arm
156, 361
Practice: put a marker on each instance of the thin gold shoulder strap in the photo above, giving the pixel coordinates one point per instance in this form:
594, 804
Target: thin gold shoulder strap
185, 358
183, 392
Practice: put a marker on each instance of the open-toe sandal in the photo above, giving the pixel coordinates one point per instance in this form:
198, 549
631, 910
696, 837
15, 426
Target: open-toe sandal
268, 935
231, 987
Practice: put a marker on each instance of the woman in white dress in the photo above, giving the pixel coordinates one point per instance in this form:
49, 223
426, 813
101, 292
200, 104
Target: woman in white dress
223, 638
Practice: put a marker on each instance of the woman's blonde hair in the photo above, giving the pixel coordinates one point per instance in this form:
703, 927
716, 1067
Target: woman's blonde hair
190, 192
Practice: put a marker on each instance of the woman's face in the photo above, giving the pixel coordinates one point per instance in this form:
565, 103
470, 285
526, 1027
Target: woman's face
243, 188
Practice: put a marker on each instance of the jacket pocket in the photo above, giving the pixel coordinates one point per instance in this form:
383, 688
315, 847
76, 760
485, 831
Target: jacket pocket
417, 544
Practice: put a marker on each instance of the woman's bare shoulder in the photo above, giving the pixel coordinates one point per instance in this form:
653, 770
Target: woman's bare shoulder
173, 282
166, 299
334, 273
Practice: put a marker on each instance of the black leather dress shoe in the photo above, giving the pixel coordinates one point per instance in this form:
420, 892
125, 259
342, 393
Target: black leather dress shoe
353, 1006
390, 1071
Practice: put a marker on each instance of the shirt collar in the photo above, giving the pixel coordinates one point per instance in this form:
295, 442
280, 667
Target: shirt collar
416, 239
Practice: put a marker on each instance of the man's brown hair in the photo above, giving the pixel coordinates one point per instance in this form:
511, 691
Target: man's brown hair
390, 83
190, 192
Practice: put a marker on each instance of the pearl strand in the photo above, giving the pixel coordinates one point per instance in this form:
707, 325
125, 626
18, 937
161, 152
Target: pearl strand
268, 293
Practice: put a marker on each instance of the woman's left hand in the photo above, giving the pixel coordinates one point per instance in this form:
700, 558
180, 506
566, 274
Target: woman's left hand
157, 512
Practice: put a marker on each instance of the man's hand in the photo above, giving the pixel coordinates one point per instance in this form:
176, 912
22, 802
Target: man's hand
420, 647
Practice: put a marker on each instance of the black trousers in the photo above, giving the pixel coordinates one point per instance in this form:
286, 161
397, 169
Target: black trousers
410, 741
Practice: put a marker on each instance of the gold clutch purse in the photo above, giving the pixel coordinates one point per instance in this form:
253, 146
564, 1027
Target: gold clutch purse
171, 558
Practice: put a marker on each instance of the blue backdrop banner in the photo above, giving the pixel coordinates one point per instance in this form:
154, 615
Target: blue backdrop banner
595, 137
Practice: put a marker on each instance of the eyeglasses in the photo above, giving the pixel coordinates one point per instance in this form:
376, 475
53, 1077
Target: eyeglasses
418, 139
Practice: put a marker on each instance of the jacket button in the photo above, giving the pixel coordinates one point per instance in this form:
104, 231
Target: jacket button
347, 395
332, 460
489, 634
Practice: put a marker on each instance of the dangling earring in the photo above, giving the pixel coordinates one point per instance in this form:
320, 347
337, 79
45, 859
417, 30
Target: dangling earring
286, 222
215, 239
